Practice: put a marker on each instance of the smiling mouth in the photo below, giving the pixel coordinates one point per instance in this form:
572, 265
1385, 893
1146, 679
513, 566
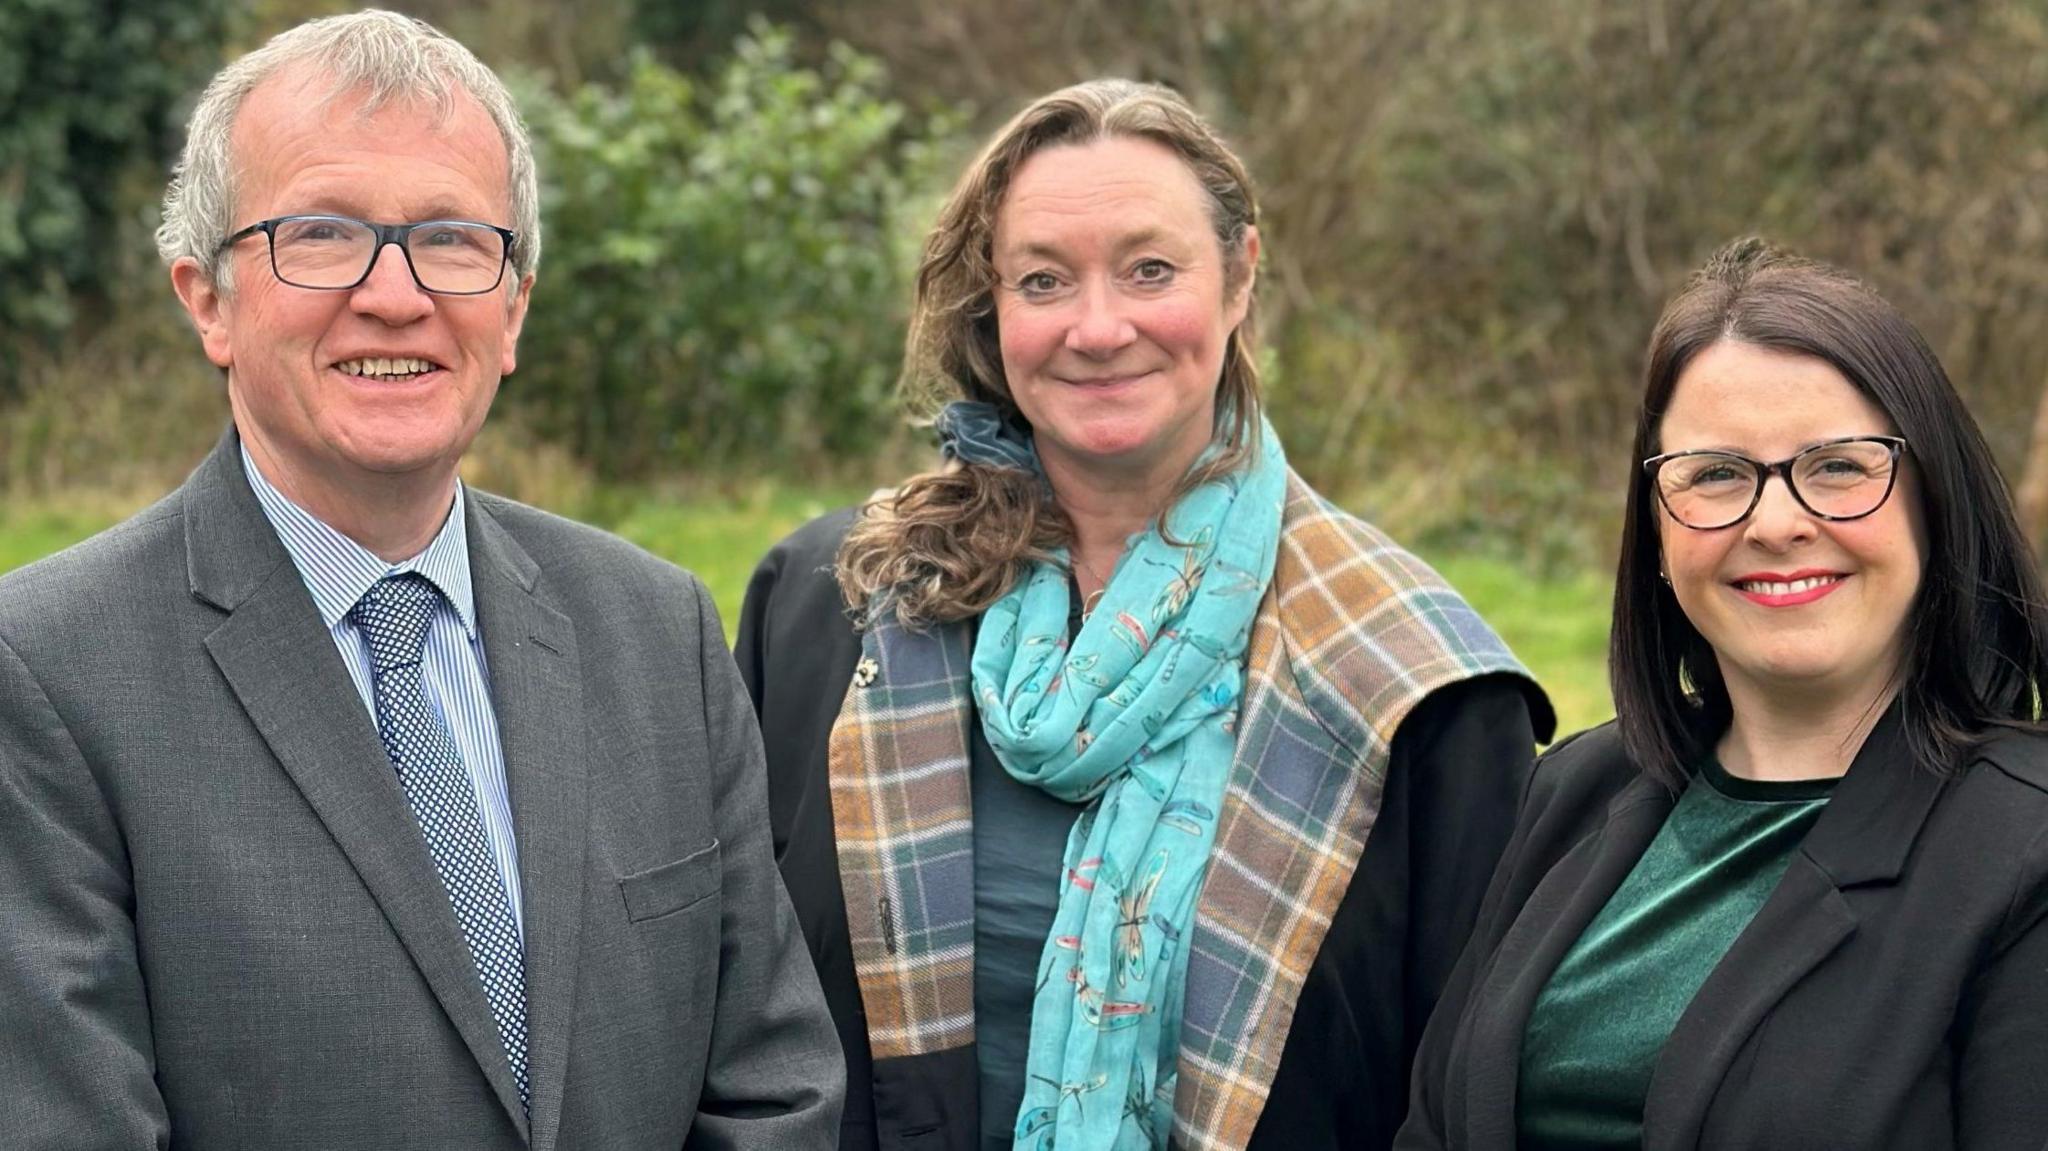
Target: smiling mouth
1788, 593
1106, 381
1795, 587
382, 368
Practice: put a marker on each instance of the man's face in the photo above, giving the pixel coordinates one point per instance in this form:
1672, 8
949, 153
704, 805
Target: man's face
319, 380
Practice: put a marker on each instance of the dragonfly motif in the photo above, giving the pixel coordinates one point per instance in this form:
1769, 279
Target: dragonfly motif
1154, 785
1135, 904
1236, 580
1102, 1012
1208, 647
1172, 663
1186, 815
1084, 825
1082, 667
1132, 633
1038, 1123
1042, 1122
1219, 694
1169, 938
1125, 694
1082, 874
1180, 585
1138, 1104
1063, 943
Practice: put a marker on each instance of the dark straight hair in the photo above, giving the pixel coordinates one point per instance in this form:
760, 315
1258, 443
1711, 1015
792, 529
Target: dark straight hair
1976, 643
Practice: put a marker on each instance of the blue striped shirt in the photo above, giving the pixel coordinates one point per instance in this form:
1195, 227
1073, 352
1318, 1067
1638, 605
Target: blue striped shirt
338, 570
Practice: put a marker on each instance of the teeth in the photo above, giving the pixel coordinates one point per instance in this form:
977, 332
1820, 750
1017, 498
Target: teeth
379, 366
1794, 588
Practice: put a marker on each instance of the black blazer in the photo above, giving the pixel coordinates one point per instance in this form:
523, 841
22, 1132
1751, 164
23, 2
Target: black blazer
1891, 993
1459, 762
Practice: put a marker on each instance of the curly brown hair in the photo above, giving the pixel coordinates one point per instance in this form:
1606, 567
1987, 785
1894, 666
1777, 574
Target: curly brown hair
948, 543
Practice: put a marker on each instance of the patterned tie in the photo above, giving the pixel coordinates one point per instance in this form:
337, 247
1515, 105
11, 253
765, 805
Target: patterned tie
393, 617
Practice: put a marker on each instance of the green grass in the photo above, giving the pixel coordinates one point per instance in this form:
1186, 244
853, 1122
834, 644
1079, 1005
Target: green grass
722, 537
35, 530
1557, 626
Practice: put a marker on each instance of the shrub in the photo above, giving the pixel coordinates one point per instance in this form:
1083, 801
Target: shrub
1473, 211
89, 103
724, 281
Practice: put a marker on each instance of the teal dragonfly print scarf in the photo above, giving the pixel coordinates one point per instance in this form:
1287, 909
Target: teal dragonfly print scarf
1350, 635
1139, 716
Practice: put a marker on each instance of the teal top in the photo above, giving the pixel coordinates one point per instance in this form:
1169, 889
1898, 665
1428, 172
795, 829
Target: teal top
1020, 845
1596, 1030
1020, 848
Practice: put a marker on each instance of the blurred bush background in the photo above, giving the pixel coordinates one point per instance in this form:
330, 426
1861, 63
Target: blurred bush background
1473, 212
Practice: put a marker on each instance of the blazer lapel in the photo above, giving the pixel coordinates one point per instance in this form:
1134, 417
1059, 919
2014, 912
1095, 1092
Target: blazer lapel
1553, 918
1863, 837
281, 664
537, 693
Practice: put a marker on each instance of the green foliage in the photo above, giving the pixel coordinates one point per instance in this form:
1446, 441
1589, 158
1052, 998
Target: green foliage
722, 281
130, 408
88, 98
1473, 211
690, 36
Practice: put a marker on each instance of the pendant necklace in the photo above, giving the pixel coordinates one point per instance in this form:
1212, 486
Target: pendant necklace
1093, 599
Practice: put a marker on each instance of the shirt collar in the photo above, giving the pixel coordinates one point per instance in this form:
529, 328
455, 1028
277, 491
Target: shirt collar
338, 570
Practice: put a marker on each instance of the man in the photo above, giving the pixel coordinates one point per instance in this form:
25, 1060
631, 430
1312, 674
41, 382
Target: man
344, 807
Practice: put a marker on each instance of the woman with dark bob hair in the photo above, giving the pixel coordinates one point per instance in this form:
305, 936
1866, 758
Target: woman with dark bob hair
1145, 794
1794, 895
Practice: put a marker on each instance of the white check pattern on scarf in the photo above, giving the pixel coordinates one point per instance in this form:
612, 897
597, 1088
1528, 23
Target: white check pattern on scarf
393, 617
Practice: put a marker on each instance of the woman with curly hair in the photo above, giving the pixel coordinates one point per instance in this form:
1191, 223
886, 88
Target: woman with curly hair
1125, 788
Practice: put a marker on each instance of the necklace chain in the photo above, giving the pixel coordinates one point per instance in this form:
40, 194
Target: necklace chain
1093, 599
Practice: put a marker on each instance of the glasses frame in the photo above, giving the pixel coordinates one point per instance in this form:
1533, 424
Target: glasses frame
1783, 470
399, 234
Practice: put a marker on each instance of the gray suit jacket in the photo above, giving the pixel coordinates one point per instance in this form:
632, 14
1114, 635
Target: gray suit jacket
219, 924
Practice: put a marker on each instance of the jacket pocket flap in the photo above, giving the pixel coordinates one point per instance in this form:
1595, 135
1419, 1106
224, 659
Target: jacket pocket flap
670, 887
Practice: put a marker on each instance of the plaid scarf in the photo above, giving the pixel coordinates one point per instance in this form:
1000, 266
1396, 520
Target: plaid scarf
1352, 634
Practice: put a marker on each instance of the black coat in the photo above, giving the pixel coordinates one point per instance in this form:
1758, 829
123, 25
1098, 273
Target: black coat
1891, 993
1459, 761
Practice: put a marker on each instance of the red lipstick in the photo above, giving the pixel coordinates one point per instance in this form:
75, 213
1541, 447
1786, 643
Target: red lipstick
1818, 582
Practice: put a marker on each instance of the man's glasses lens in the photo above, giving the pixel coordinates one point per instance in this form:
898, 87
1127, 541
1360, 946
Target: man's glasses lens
452, 257
1840, 481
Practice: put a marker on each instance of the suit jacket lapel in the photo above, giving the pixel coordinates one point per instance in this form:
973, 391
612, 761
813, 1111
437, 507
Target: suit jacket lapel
1863, 838
282, 666
537, 693
1552, 919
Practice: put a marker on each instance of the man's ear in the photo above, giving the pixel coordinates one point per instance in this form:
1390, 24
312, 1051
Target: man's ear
515, 319
207, 306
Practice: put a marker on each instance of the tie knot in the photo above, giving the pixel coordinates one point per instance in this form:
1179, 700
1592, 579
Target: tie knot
393, 617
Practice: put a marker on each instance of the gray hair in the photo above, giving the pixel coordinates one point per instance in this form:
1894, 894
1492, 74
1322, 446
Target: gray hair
389, 57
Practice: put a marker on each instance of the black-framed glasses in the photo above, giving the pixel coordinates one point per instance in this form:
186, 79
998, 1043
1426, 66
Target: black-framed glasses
336, 253
1844, 479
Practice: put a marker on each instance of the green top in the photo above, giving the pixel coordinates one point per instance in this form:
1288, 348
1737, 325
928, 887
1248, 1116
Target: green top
1596, 1031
